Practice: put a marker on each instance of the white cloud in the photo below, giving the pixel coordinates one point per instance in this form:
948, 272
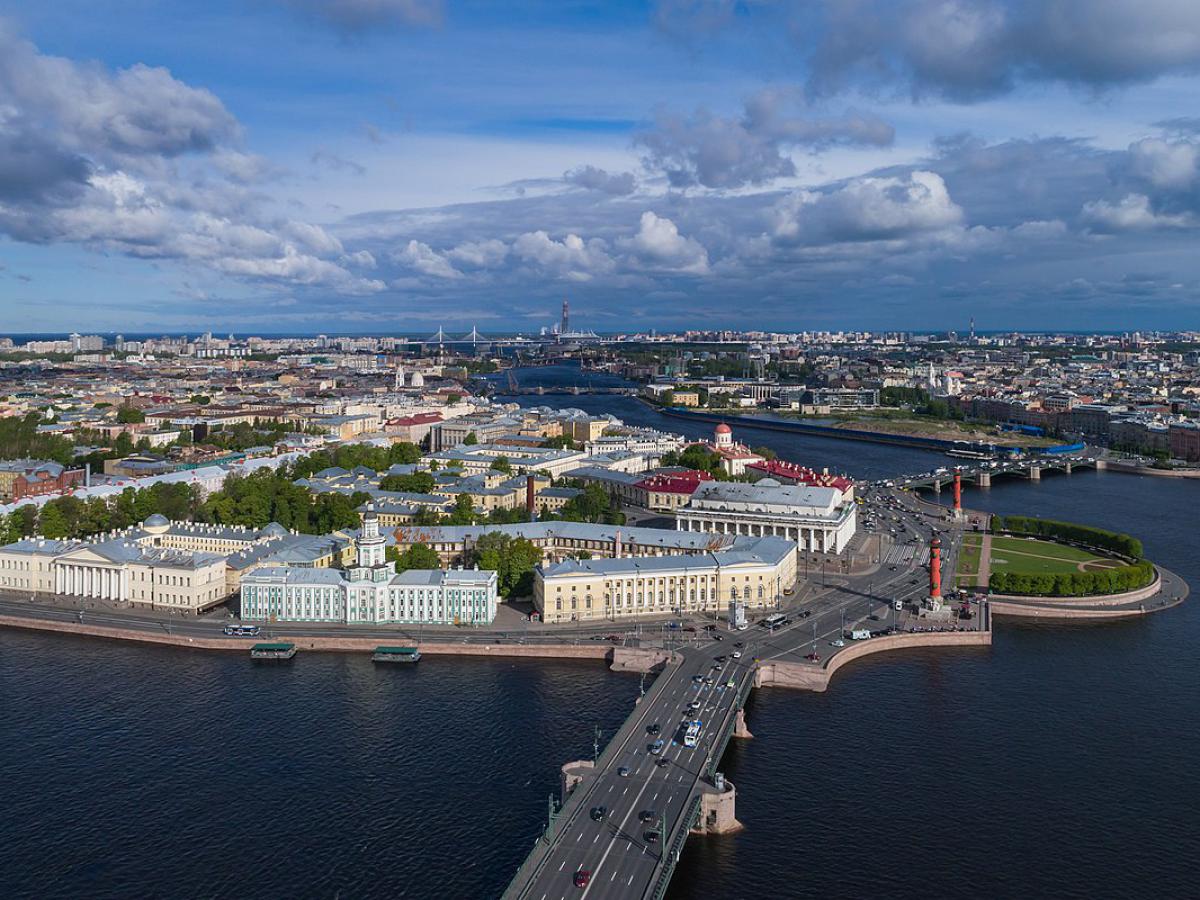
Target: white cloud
659, 245
424, 259
1133, 212
480, 254
1170, 165
571, 258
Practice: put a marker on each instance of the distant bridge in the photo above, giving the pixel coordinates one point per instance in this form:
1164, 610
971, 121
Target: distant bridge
981, 474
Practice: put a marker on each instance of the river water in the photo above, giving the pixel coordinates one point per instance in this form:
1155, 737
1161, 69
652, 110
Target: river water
1058, 762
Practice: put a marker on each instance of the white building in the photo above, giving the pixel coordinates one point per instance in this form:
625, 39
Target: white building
817, 519
758, 572
371, 592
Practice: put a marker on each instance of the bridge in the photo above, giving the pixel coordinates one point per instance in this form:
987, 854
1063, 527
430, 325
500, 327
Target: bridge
651, 801
981, 474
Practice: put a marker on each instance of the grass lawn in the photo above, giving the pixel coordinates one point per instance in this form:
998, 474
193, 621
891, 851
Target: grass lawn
968, 556
1021, 556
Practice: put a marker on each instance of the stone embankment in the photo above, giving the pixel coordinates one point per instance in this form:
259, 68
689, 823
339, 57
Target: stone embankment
807, 677
326, 644
1168, 587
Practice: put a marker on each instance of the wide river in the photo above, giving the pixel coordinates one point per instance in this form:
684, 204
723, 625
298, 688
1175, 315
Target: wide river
1061, 761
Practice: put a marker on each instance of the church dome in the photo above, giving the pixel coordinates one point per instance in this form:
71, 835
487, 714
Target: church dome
274, 529
723, 429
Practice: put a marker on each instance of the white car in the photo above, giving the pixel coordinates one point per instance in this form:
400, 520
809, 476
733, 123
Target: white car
737, 654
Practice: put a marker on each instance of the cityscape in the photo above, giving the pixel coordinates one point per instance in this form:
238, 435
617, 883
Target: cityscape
742, 450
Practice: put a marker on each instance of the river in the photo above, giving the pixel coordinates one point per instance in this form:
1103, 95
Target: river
1058, 762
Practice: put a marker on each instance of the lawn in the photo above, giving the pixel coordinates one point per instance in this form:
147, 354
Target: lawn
968, 560
1026, 557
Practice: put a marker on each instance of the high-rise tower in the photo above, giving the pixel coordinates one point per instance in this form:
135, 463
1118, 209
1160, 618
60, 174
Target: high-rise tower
566, 318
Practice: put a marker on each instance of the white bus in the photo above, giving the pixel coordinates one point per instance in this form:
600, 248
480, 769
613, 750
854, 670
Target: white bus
774, 621
692, 734
242, 630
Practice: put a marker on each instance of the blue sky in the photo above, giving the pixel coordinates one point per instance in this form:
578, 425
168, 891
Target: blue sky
393, 165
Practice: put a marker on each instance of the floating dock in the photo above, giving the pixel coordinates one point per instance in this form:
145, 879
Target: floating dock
273, 651
396, 655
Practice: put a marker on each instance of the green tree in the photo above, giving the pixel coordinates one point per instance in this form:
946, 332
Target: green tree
501, 464
128, 415
418, 556
52, 523
403, 453
416, 483
464, 511
471, 440
766, 453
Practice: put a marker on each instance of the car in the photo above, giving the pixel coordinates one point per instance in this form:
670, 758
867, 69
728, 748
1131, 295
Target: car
708, 679
737, 654
694, 705
838, 642
662, 761
697, 679
730, 683
598, 813
623, 772
715, 666
805, 614
656, 747
653, 729
738, 644
651, 837
691, 628
582, 877
813, 657
647, 815
717, 637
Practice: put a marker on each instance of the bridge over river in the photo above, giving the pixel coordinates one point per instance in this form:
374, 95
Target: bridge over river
982, 473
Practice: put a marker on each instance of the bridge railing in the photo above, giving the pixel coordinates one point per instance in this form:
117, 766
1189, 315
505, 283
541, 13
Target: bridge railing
671, 854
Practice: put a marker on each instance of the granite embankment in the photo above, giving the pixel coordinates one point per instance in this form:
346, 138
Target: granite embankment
808, 677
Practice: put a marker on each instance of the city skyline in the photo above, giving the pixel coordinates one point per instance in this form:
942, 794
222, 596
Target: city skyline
395, 165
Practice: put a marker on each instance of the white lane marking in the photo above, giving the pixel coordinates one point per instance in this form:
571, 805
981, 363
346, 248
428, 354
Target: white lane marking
561, 865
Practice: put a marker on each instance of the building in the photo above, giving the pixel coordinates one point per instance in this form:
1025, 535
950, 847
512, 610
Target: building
20, 478
791, 473
759, 572
734, 456
370, 592
559, 540
666, 489
817, 519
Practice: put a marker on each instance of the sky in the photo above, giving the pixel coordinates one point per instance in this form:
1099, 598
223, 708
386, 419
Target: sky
392, 166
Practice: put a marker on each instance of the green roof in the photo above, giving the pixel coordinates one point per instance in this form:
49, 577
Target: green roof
396, 650
278, 646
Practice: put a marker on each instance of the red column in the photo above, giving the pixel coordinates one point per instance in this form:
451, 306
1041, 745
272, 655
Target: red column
935, 568
958, 492
529, 495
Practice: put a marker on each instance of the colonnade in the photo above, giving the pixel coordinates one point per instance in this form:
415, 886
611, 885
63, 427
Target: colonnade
819, 540
91, 581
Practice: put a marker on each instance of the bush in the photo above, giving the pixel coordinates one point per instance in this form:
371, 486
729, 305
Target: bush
1075, 584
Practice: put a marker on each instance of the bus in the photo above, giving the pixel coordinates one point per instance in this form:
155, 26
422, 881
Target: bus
242, 630
773, 621
692, 733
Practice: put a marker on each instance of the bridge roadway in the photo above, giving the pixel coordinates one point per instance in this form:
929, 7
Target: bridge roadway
984, 473
622, 861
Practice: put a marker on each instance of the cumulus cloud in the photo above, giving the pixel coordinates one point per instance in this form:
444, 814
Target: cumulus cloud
360, 15
719, 152
1170, 165
480, 254
967, 50
658, 244
137, 162
424, 259
867, 209
594, 179
1133, 212
572, 258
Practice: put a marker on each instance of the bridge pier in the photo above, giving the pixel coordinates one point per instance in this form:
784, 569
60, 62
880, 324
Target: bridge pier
937, 487
1035, 473
983, 480
718, 805
573, 773
1067, 468
739, 725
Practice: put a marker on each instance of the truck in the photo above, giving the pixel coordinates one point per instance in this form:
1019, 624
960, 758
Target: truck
860, 634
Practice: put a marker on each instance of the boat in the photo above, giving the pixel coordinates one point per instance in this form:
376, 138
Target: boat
396, 655
278, 650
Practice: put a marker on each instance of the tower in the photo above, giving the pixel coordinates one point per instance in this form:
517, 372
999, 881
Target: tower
957, 494
935, 573
372, 546
566, 318
972, 329
399, 382
723, 436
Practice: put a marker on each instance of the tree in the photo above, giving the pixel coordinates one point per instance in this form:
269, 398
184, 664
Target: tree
471, 440
513, 561
464, 511
52, 523
403, 453
560, 442
766, 453
200, 399
418, 556
414, 483
128, 415
452, 399
501, 464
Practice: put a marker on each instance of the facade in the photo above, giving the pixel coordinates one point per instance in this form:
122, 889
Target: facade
791, 473
817, 519
20, 478
370, 592
758, 572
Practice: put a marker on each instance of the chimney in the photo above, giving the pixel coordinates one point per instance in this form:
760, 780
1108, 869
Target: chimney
529, 495
617, 545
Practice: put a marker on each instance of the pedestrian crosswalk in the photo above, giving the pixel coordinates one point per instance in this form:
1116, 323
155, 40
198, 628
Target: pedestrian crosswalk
907, 554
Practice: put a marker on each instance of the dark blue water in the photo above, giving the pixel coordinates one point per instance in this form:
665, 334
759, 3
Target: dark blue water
1058, 762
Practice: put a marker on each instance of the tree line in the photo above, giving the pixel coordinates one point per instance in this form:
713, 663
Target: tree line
1074, 584
1071, 532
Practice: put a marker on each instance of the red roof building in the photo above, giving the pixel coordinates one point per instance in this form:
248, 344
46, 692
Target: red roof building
793, 473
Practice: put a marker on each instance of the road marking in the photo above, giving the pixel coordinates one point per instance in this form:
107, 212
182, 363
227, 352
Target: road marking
562, 865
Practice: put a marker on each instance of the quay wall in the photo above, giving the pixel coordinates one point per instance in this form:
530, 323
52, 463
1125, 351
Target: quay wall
320, 644
805, 677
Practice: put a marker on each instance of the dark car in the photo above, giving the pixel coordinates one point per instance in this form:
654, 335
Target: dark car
662, 761
647, 815
813, 657
582, 877
651, 837
598, 813
623, 772
739, 644
717, 637
653, 729
806, 614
